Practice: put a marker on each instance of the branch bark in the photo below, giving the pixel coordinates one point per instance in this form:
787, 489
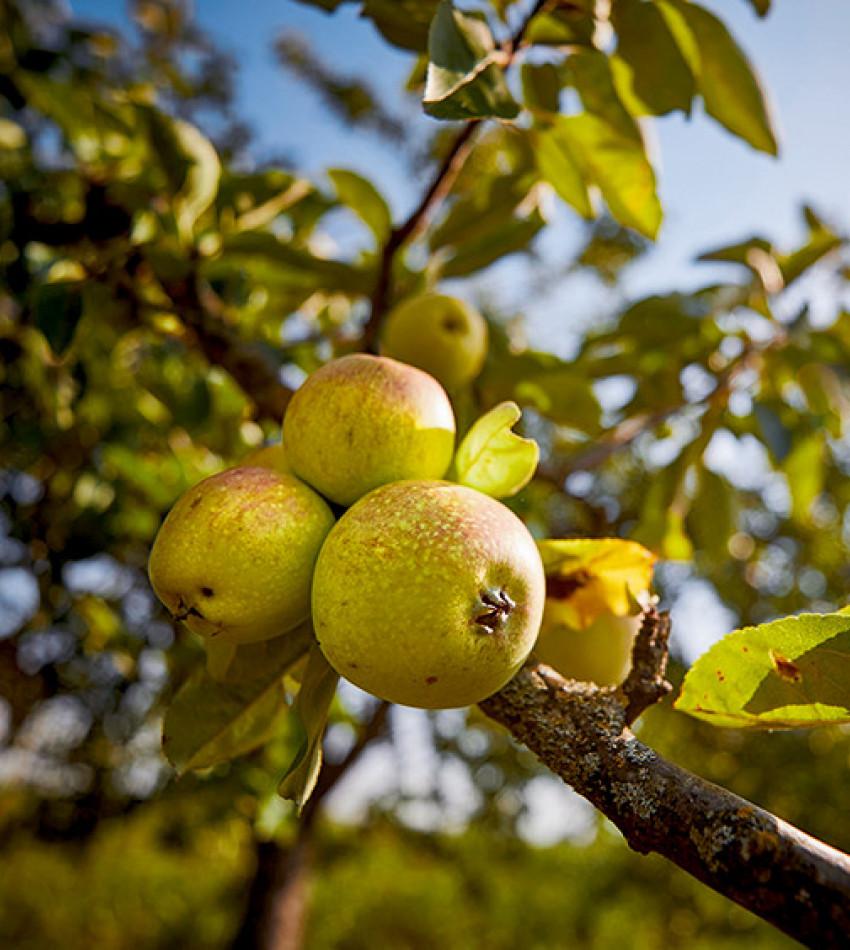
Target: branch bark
581, 732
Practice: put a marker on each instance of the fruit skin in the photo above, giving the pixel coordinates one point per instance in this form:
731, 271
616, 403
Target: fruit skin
363, 421
599, 653
428, 594
234, 557
440, 334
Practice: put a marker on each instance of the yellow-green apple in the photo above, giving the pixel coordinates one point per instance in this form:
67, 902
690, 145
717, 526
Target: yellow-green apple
428, 594
363, 421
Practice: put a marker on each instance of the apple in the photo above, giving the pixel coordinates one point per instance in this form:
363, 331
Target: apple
234, 558
363, 421
428, 594
268, 456
442, 335
599, 653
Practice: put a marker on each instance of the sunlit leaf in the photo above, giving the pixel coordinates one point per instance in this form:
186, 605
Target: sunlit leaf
651, 73
592, 577
559, 166
726, 81
203, 172
573, 26
804, 467
365, 201
493, 459
310, 710
463, 80
212, 721
786, 674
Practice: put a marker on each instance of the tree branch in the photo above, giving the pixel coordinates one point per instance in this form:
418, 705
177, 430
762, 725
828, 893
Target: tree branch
777, 872
437, 190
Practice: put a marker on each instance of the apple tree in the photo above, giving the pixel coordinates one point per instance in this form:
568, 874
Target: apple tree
164, 295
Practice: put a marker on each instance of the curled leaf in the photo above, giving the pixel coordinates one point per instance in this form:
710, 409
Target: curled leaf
310, 712
493, 459
592, 577
212, 720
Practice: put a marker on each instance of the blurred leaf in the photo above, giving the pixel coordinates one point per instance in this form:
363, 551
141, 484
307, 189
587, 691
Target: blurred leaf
593, 577
359, 194
551, 386
787, 674
805, 470
607, 146
762, 7
510, 236
650, 72
541, 86
210, 721
310, 713
774, 434
404, 23
574, 26
794, 265
200, 184
558, 165
12, 135
739, 253
726, 81
711, 518
463, 80
57, 309
493, 459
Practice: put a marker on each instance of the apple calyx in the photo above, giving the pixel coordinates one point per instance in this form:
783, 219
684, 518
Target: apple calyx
496, 606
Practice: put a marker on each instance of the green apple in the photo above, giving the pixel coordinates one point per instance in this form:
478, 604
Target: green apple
363, 421
428, 594
599, 653
440, 334
234, 557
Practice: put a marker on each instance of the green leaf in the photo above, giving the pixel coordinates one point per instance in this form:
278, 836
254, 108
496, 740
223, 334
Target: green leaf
12, 135
509, 236
651, 73
364, 199
212, 721
805, 471
726, 81
57, 309
541, 86
762, 7
606, 146
711, 518
559, 167
493, 459
404, 23
463, 80
574, 26
787, 674
311, 715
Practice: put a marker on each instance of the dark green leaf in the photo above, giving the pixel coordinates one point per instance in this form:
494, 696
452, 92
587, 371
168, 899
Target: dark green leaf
773, 433
508, 237
212, 721
463, 79
651, 73
787, 674
404, 23
541, 86
311, 708
57, 309
726, 81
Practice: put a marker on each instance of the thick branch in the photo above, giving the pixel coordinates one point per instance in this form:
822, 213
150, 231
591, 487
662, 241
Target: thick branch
777, 872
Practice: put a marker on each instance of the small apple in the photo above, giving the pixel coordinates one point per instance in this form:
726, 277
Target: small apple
428, 594
363, 421
234, 557
269, 456
440, 334
599, 653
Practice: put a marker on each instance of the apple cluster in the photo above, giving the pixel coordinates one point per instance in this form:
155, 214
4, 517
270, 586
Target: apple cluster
421, 591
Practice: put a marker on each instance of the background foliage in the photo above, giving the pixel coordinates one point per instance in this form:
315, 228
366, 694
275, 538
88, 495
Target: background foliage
161, 291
